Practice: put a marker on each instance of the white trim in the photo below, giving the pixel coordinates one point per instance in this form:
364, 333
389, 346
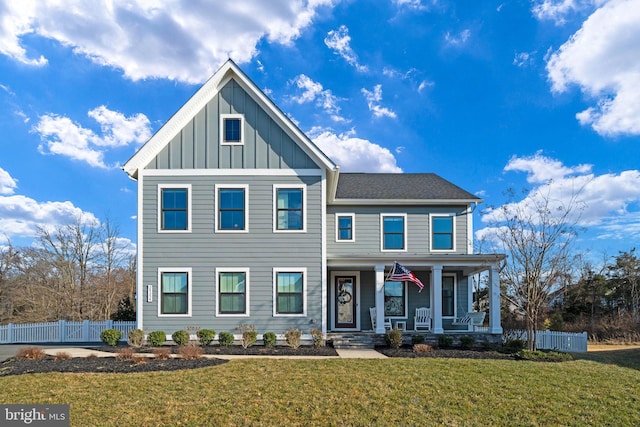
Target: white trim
332, 297
277, 187
302, 270
404, 231
406, 302
403, 202
223, 117
246, 291
455, 294
139, 263
353, 227
216, 204
469, 214
453, 232
323, 262
189, 207
189, 272
231, 172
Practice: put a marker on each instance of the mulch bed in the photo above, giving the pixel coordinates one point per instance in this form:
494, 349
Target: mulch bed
238, 350
456, 353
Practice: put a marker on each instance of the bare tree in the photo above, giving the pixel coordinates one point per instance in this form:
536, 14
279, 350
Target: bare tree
9, 257
537, 235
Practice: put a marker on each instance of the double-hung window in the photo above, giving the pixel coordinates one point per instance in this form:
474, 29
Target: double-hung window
290, 208
174, 207
393, 233
175, 292
231, 129
232, 202
289, 292
442, 233
345, 228
233, 291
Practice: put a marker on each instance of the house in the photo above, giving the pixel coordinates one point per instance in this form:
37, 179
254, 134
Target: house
242, 219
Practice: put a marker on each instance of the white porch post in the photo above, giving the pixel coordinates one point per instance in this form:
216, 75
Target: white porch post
436, 301
494, 301
380, 299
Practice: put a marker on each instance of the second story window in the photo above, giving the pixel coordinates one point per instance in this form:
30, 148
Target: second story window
442, 233
344, 228
289, 208
231, 129
174, 204
393, 233
232, 208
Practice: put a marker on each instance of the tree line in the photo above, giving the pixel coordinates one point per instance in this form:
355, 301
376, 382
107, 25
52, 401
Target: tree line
79, 271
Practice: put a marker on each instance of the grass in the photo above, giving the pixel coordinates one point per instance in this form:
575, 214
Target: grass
603, 390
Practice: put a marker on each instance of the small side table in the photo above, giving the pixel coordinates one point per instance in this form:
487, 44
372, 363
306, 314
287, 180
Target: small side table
402, 325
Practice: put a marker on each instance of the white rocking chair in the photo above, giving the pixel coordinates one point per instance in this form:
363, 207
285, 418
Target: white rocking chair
373, 314
422, 319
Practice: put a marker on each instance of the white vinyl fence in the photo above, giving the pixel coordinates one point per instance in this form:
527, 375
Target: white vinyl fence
571, 342
61, 331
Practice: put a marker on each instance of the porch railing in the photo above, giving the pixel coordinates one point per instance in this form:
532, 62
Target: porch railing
61, 331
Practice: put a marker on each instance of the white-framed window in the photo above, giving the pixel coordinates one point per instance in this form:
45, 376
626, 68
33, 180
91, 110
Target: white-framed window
449, 295
232, 208
290, 208
290, 292
395, 299
232, 292
232, 129
345, 227
443, 235
174, 292
393, 232
174, 208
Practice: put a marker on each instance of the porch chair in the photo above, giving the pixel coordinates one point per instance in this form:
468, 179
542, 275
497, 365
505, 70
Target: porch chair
475, 318
422, 319
373, 313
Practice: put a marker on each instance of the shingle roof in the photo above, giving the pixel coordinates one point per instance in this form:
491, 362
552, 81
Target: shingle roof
390, 186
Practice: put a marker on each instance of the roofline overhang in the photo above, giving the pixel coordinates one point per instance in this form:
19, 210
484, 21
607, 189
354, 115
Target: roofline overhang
404, 202
472, 263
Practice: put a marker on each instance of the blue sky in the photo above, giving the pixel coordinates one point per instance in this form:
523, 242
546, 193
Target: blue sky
490, 95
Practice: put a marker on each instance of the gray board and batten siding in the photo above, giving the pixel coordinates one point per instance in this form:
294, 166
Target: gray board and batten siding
266, 144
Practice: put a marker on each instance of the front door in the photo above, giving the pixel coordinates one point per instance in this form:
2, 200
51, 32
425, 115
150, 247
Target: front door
345, 302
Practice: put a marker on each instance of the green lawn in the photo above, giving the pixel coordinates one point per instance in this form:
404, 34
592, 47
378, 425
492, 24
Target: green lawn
451, 392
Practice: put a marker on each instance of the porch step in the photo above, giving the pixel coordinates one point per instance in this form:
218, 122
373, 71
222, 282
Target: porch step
347, 341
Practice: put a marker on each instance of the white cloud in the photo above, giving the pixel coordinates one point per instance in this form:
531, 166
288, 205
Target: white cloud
457, 39
354, 154
415, 4
314, 92
7, 183
62, 136
152, 39
373, 101
523, 59
340, 41
558, 10
605, 203
603, 59
424, 85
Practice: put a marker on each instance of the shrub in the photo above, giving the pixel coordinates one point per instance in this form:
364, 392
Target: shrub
269, 339
135, 337
126, 353
394, 338
92, 356
467, 341
126, 311
180, 337
422, 348
515, 345
31, 353
190, 351
205, 336
543, 356
417, 339
292, 337
249, 335
62, 355
110, 336
139, 360
225, 338
316, 336
161, 353
445, 341
156, 338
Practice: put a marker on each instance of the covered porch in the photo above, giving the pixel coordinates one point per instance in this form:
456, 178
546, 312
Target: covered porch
361, 300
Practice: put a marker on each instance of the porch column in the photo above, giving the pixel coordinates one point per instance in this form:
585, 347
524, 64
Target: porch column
494, 301
380, 299
436, 304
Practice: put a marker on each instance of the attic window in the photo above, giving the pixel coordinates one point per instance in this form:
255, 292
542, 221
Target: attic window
231, 129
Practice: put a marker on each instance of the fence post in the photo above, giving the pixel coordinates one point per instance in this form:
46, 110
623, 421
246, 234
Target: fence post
62, 330
10, 333
85, 330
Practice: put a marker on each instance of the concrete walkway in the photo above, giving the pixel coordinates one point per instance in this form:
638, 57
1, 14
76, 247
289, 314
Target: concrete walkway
7, 351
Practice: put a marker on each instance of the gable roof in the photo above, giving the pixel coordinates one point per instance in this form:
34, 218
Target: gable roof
405, 187
229, 70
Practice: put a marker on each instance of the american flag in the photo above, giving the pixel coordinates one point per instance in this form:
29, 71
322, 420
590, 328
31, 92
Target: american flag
400, 273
